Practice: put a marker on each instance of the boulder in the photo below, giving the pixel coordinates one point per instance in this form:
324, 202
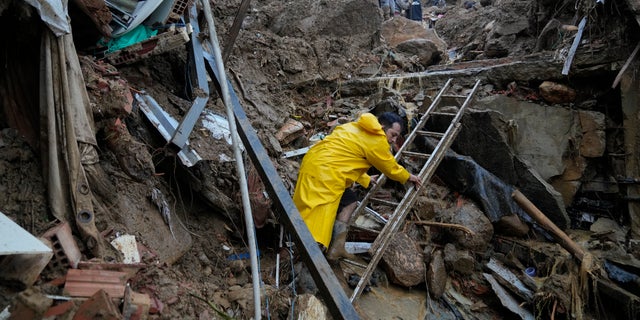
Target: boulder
404, 261
556, 93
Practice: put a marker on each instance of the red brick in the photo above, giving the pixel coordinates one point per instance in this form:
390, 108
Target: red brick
85, 283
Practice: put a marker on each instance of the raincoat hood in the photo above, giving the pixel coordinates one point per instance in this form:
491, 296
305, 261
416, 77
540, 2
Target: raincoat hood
369, 123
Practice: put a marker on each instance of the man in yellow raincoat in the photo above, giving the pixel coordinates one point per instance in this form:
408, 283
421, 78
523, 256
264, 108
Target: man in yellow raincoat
334, 164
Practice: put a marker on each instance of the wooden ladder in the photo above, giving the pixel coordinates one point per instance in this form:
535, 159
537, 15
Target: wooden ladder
432, 161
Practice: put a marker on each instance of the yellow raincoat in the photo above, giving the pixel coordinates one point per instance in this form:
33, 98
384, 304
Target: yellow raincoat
334, 164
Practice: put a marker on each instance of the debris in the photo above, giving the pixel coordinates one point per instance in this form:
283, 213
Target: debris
241, 256
30, 304
445, 225
554, 92
290, 131
85, 283
310, 307
403, 261
135, 306
625, 66
620, 275
538, 216
98, 306
357, 247
511, 280
574, 46
437, 275
66, 251
460, 261
24, 256
157, 197
294, 153
507, 300
127, 245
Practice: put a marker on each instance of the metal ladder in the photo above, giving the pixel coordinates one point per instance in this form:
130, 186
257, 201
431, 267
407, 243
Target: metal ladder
446, 138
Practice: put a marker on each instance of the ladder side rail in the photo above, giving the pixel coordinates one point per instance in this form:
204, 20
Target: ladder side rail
400, 213
382, 241
444, 142
425, 175
423, 119
437, 154
382, 178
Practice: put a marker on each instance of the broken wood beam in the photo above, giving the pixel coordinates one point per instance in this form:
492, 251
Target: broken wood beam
548, 225
625, 66
235, 28
445, 225
539, 67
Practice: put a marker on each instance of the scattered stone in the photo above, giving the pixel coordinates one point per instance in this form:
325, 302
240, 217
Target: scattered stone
470, 216
437, 275
460, 261
310, 307
511, 225
290, 131
556, 93
304, 283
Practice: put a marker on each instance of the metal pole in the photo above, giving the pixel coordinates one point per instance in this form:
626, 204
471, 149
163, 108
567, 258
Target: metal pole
248, 218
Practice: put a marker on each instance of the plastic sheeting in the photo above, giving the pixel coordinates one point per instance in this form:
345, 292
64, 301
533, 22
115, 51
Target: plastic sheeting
54, 14
464, 175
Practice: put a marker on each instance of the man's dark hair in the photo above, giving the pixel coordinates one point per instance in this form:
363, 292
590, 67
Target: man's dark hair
387, 120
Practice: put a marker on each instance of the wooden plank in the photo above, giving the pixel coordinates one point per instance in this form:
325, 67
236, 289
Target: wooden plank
235, 28
328, 285
625, 66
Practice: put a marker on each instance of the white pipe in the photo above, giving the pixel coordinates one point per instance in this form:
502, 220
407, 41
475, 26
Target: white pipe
278, 257
246, 205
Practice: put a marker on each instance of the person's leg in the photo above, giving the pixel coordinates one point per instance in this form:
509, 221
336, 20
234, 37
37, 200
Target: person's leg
348, 204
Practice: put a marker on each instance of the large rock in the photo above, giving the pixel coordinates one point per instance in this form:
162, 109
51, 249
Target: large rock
404, 261
519, 143
460, 261
400, 29
470, 216
425, 50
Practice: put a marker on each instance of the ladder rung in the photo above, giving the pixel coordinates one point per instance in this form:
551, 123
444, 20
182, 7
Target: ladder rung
443, 114
389, 203
416, 154
454, 96
430, 134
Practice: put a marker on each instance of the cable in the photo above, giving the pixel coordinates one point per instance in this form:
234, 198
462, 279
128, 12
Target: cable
293, 275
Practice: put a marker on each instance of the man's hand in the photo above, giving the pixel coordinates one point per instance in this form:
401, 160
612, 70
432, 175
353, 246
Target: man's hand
374, 179
416, 181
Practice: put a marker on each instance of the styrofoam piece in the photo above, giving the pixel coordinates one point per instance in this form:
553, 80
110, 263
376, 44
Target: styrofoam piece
15, 240
128, 246
357, 247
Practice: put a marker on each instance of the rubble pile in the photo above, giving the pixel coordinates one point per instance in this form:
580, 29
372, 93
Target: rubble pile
121, 199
